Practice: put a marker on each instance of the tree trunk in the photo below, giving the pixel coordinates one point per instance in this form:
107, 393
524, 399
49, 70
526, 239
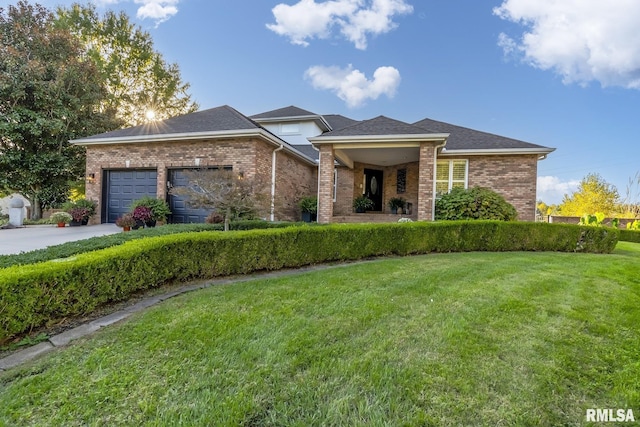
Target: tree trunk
227, 219
36, 208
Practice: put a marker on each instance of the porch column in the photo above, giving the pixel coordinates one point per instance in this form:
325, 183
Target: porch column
425, 182
325, 184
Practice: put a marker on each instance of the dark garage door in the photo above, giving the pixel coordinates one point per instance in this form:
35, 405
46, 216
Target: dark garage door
181, 212
125, 186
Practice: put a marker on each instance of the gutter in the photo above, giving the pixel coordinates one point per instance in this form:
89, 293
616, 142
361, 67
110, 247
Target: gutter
273, 181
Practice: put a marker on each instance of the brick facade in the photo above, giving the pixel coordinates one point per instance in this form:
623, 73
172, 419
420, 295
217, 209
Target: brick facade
325, 184
514, 177
250, 156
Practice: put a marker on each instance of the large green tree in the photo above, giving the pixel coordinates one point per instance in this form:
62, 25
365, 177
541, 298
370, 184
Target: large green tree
49, 93
137, 77
594, 195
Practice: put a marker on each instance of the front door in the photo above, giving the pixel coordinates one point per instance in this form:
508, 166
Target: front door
373, 187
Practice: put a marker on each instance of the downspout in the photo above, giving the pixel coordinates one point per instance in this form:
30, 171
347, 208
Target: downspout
435, 165
273, 182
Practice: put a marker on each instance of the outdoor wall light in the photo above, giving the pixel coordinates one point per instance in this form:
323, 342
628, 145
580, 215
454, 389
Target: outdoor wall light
91, 178
127, 163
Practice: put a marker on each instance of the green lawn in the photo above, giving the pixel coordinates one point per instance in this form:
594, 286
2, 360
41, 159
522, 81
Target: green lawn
444, 339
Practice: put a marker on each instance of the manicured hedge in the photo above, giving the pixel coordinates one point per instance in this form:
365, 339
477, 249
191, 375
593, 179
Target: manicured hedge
32, 295
68, 249
630, 236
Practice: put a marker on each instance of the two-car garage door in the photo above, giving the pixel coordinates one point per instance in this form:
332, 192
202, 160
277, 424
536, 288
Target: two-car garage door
121, 187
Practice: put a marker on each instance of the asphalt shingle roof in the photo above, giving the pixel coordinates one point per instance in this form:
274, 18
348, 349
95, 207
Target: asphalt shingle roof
290, 111
307, 150
217, 119
461, 138
379, 126
336, 121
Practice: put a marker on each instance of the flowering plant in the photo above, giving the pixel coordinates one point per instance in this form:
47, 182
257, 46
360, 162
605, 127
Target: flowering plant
142, 213
126, 220
61, 217
78, 214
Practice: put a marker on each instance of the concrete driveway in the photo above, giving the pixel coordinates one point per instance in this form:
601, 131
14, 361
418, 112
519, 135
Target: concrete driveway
31, 237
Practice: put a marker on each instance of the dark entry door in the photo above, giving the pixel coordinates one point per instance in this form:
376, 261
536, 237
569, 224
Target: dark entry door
373, 187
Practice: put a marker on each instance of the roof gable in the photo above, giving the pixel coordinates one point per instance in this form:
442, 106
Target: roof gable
286, 112
337, 121
378, 126
217, 119
461, 138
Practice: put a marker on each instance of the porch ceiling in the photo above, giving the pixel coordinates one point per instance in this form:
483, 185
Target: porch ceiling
378, 156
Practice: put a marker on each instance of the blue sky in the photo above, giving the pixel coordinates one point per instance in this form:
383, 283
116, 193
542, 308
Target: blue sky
559, 73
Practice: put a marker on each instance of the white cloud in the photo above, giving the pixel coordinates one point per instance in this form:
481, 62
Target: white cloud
158, 10
352, 86
356, 19
551, 189
581, 40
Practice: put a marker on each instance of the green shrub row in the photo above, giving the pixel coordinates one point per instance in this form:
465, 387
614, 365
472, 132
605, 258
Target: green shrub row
66, 250
32, 295
630, 236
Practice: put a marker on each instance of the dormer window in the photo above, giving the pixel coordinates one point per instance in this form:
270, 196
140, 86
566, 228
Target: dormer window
290, 129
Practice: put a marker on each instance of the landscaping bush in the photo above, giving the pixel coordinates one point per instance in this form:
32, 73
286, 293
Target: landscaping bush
66, 250
630, 236
474, 203
32, 295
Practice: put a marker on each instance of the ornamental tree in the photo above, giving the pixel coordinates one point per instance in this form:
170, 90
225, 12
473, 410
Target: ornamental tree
226, 193
594, 194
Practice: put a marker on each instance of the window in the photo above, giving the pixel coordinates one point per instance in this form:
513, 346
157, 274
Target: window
335, 184
450, 174
289, 128
401, 181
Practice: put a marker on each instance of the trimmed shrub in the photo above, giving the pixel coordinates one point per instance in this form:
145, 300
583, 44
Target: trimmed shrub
630, 236
32, 295
474, 203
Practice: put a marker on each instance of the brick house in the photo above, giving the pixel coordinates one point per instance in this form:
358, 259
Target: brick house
300, 153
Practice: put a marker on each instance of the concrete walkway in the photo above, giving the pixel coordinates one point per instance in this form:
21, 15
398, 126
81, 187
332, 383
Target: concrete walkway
32, 237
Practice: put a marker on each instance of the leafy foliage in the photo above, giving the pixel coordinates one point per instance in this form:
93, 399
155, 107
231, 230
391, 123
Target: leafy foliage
362, 203
309, 204
594, 194
49, 93
159, 208
226, 193
137, 78
474, 203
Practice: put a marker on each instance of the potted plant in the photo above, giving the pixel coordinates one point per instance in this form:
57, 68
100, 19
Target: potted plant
362, 203
309, 208
159, 209
126, 221
396, 204
81, 210
61, 218
142, 215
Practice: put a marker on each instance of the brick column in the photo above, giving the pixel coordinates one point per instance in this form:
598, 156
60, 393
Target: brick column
325, 184
425, 182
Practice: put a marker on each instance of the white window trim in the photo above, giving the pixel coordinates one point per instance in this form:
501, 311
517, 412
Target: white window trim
450, 179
